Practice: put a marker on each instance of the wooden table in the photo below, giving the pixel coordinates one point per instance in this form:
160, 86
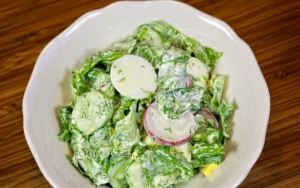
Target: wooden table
270, 27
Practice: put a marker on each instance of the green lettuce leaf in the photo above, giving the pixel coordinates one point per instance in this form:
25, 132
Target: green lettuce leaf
150, 53
122, 109
172, 94
207, 135
212, 100
99, 80
126, 133
65, 117
125, 47
105, 58
78, 86
205, 153
120, 162
88, 159
205, 54
100, 142
164, 168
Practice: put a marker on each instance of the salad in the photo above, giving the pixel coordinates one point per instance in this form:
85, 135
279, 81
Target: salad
148, 112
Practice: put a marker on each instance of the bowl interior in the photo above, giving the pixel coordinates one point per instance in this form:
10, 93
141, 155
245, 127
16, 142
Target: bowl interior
49, 89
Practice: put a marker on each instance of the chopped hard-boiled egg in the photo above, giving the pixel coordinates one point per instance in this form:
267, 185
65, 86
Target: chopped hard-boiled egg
149, 141
199, 71
208, 169
133, 77
186, 151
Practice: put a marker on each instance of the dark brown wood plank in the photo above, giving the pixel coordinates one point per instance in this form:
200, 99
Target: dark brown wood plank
270, 27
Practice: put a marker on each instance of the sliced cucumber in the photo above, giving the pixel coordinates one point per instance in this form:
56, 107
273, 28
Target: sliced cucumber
113, 174
135, 175
92, 111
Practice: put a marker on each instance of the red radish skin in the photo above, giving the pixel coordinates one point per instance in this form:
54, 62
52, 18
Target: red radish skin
145, 122
188, 81
156, 126
208, 115
163, 142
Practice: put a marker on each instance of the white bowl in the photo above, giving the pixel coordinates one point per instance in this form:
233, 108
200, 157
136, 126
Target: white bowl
48, 88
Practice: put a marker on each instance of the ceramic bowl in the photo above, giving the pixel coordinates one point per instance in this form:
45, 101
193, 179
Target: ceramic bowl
48, 88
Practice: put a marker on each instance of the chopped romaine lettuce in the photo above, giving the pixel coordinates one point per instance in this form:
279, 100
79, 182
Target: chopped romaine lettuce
125, 47
205, 153
89, 160
100, 141
65, 118
212, 100
164, 167
99, 80
106, 129
173, 94
176, 38
123, 109
126, 133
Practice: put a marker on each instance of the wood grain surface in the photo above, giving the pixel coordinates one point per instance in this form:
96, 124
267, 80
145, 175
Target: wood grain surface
270, 27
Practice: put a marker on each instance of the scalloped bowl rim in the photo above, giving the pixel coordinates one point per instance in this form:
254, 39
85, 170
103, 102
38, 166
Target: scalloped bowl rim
83, 18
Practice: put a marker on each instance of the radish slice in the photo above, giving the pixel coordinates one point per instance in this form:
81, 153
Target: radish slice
188, 81
167, 131
208, 115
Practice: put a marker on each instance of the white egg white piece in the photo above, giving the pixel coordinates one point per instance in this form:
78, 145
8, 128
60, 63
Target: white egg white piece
133, 76
198, 70
185, 149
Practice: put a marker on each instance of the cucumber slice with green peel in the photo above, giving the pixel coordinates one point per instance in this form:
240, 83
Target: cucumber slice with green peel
114, 174
135, 175
92, 111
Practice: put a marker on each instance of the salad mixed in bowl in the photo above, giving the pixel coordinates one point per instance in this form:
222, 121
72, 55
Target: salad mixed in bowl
148, 112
